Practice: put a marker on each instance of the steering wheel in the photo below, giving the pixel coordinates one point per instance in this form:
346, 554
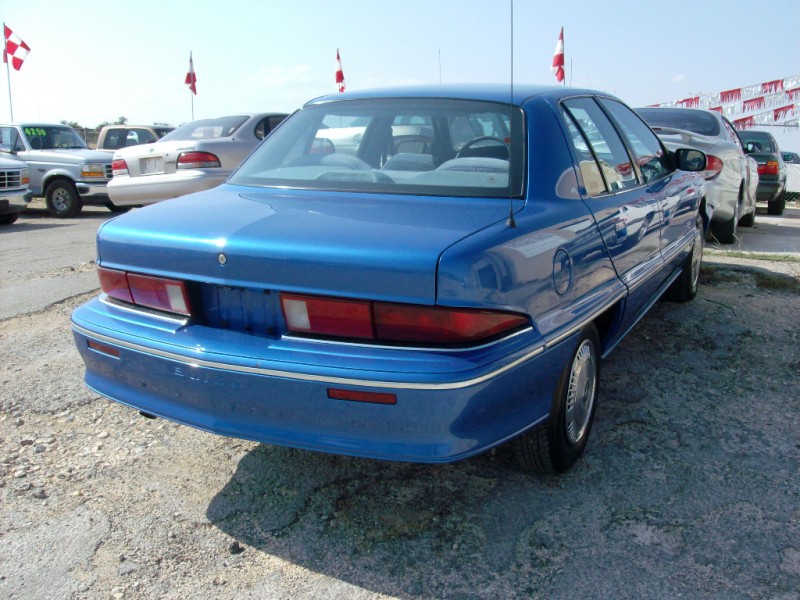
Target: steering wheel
478, 140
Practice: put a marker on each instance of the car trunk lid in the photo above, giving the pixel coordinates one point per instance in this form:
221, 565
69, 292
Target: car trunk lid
337, 244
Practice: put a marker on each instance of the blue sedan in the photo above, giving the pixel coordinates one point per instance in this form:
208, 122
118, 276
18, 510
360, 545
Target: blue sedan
411, 274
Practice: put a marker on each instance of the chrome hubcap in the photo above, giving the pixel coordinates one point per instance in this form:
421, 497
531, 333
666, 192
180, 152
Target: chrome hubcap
62, 199
581, 392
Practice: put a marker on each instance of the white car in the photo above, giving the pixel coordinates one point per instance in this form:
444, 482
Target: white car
197, 156
731, 176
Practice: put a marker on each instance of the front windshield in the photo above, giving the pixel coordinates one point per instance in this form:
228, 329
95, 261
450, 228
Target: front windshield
205, 129
397, 146
46, 137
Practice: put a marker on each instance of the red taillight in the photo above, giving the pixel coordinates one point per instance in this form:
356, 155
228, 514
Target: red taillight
197, 160
119, 167
115, 284
327, 316
713, 166
169, 295
397, 323
768, 168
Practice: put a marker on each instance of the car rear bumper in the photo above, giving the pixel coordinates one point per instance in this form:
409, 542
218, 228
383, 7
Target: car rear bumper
147, 189
768, 191
12, 202
447, 406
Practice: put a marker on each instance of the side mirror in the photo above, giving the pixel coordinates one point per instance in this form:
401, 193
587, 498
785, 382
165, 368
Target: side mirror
689, 159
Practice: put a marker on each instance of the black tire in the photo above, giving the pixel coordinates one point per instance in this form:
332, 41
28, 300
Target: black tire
684, 288
725, 232
555, 445
62, 199
9, 218
748, 220
116, 209
776, 207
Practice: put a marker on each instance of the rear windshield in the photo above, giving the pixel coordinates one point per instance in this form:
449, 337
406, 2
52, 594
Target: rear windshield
757, 141
207, 129
397, 146
696, 121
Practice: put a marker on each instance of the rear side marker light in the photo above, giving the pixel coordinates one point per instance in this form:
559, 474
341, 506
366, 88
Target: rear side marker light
373, 397
103, 348
197, 160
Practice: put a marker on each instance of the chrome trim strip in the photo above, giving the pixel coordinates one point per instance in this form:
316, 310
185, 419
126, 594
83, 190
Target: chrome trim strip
678, 245
108, 301
296, 338
197, 362
573, 330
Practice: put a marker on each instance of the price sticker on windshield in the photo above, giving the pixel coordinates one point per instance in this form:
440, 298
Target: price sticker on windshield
35, 132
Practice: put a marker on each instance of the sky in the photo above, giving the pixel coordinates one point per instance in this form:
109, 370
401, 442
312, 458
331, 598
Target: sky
93, 61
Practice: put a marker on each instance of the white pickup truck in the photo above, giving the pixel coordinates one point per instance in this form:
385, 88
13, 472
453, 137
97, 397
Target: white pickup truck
62, 168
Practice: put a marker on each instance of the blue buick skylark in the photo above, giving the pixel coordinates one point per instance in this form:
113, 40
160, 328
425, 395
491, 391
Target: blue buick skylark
406, 274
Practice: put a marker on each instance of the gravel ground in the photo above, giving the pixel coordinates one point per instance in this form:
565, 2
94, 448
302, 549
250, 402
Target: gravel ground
689, 487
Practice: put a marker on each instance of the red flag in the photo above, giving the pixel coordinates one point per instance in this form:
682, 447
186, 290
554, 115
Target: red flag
191, 78
339, 73
15, 47
558, 58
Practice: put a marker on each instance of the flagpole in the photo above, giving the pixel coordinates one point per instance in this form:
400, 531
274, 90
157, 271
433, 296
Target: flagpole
8, 73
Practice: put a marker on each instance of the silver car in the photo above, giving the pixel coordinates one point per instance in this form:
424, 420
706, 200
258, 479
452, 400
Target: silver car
197, 156
731, 176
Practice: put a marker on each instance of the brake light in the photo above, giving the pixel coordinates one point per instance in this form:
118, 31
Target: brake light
713, 166
768, 168
119, 167
397, 323
197, 160
169, 295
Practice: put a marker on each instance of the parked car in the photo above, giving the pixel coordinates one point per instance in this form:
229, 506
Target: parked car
731, 178
196, 156
14, 193
114, 137
771, 169
415, 306
791, 158
62, 168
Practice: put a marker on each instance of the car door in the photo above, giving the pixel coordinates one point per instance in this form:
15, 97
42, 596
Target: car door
628, 213
675, 193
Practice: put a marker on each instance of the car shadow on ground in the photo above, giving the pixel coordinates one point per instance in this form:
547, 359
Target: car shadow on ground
392, 528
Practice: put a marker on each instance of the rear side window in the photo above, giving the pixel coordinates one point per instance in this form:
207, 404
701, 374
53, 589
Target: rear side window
650, 155
603, 159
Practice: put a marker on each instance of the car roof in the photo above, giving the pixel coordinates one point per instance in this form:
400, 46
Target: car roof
481, 92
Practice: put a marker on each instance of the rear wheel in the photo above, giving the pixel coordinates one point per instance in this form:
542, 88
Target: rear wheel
62, 199
116, 209
775, 207
749, 219
725, 231
684, 288
555, 445
8, 219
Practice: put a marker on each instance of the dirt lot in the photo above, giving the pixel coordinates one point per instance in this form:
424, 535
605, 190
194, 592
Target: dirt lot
690, 486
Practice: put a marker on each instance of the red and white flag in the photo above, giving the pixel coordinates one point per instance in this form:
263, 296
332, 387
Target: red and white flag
339, 73
15, 48
191, 78
558, 58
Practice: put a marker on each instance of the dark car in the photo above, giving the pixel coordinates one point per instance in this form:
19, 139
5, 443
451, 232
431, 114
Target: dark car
771, 169
414, 300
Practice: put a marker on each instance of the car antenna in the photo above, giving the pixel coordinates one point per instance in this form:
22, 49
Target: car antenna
511, 221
